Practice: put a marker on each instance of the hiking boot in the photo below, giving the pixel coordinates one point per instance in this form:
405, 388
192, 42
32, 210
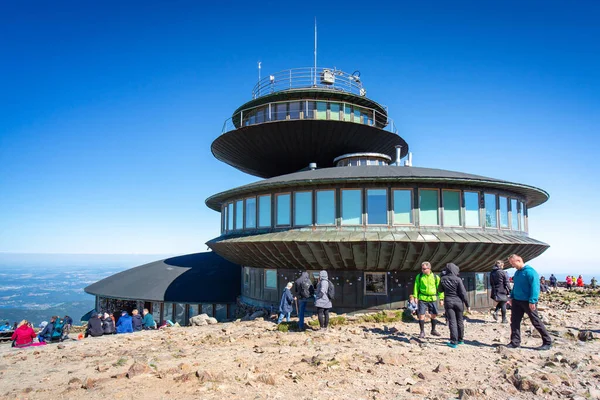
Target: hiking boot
495, 315
422, 335
505, 321
461, 342
512, 346
546, 346
435, 333
450, 344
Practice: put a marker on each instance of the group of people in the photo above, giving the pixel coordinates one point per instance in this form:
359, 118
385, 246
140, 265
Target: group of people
54, 331
104, 324
572, 282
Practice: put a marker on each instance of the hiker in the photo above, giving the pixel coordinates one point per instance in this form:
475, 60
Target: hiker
68, 324
411, 306
47, 331
108, 325
500, 289
148, 321
593, 282
304, 291
23, 336
543, 285
569, 282
323, 300
124, 324
136, 320
523, 299
553, 281
5, 327
285, 304
94, 326
580, 281
426, 293
455, 295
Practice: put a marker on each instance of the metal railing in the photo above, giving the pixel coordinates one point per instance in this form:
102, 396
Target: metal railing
311, 109
309, 77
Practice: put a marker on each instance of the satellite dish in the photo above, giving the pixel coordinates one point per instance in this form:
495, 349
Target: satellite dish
363, 92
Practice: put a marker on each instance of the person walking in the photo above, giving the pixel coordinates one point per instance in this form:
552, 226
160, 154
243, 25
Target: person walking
304, 292
553, 281
285, 304
569, 282
455, 295
426, 294
323, 302
523, 300
500, 289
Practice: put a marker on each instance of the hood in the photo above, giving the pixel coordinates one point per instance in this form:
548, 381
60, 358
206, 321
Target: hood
23, 327
126, 316
323, 275
494, 268
303, 277
452, 269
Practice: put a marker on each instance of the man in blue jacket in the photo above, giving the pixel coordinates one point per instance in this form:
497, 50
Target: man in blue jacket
523, 300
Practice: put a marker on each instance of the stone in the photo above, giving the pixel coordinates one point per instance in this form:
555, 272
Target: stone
211, 321
60, 346
440, 369
466, 393
137, 368
199, 320
585, 336
89, 383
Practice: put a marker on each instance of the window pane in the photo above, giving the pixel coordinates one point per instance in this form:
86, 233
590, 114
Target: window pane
334, 111
156, 312
347, 112
522, 216
283, 209
377, 206
326, 207
351, 207
230, 216
403, 207
251, 213
225, 218
303, 208
295, 110
271, 279
168, 312
428, 207
375, 283
514, 220
279, 111
246, 276
490, 210
239, 214
480, 283
207, 308
220, 312
503, 212
321, 110
180, 314
264, 211
471, 209
192, 311
451, 208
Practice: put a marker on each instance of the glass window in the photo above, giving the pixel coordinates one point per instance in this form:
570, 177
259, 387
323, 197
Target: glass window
230, 216
428, 207
220, 312
251, 213
321, 110
347, 112
180, 314
207, 308
261, 115
480, 283
246, 276
490, 210
294, 111
156, 312
239, 214
334, 111
451, 207
472, 209
193, 310
302, 208
503, 212
356, 115
377, 206
224, 215
514, 215
283, 209
326, 207
168, 312
279, 110
271, 279
264, 211
523, 213
351, 207
402, 207
375, 283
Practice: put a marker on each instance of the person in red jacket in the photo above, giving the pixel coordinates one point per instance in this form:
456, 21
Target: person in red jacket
580, 281
23, 335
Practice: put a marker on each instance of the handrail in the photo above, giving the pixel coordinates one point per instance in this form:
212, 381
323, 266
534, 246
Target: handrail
309, 77
268, 112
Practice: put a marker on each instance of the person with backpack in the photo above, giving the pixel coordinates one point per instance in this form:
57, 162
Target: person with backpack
325, 294
57, 333
108, 325
426, 294
455, 295
500, 289
285, 305
304, 292
46, 333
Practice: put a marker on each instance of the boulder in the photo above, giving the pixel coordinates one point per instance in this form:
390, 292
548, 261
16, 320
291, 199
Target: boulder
199, 320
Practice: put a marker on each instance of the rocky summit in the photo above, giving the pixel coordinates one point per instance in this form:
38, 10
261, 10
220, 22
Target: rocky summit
370, 356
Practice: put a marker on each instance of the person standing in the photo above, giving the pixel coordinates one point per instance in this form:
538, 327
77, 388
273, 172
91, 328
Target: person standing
285, 305
593, 282
323, 302
304, 291
426, 294
500, 289
455, 295
523, 300
553, 281
569, 282
580, 281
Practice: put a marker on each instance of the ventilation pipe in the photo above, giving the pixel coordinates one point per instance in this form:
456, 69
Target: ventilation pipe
408, 162
398, 155
312, 166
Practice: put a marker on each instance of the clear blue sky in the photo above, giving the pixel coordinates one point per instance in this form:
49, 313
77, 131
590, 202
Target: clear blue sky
108, 109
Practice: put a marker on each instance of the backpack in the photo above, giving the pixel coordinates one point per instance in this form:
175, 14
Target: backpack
58, 329
306, 289
330, 291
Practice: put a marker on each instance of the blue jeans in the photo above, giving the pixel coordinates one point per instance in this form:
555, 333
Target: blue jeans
301, 309
41, 338
287, 317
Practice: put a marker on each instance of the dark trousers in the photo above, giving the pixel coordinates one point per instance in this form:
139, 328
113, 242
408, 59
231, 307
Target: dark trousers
518, 310
501, 306
323, 317
454, 315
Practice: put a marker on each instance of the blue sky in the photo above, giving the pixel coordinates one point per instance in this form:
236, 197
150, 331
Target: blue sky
108, 110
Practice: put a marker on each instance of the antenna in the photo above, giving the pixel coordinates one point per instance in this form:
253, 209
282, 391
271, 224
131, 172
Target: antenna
315, 76
259, 71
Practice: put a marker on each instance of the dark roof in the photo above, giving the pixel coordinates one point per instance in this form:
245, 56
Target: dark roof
190, 278
386, 173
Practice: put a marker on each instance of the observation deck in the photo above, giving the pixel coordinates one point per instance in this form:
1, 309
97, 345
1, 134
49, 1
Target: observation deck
301, 116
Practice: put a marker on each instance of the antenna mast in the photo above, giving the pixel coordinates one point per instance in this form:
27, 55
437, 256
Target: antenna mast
315, 76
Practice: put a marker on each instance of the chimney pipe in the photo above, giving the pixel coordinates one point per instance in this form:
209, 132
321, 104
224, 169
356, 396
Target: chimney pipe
398, 155
312, 166
408, 162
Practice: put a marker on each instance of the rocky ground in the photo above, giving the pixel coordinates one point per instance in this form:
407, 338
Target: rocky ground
353, 360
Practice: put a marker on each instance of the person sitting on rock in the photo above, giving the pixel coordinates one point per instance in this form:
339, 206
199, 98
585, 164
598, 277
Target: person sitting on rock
580, 281
5, 327
543, 285
285, 305
148, 321
23, 335
46, 333
108, 325
94, 326
136, 320
124, 324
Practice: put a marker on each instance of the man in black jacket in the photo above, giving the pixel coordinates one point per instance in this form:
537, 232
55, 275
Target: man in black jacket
500, 289
94, 327
304, 291
455, 296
